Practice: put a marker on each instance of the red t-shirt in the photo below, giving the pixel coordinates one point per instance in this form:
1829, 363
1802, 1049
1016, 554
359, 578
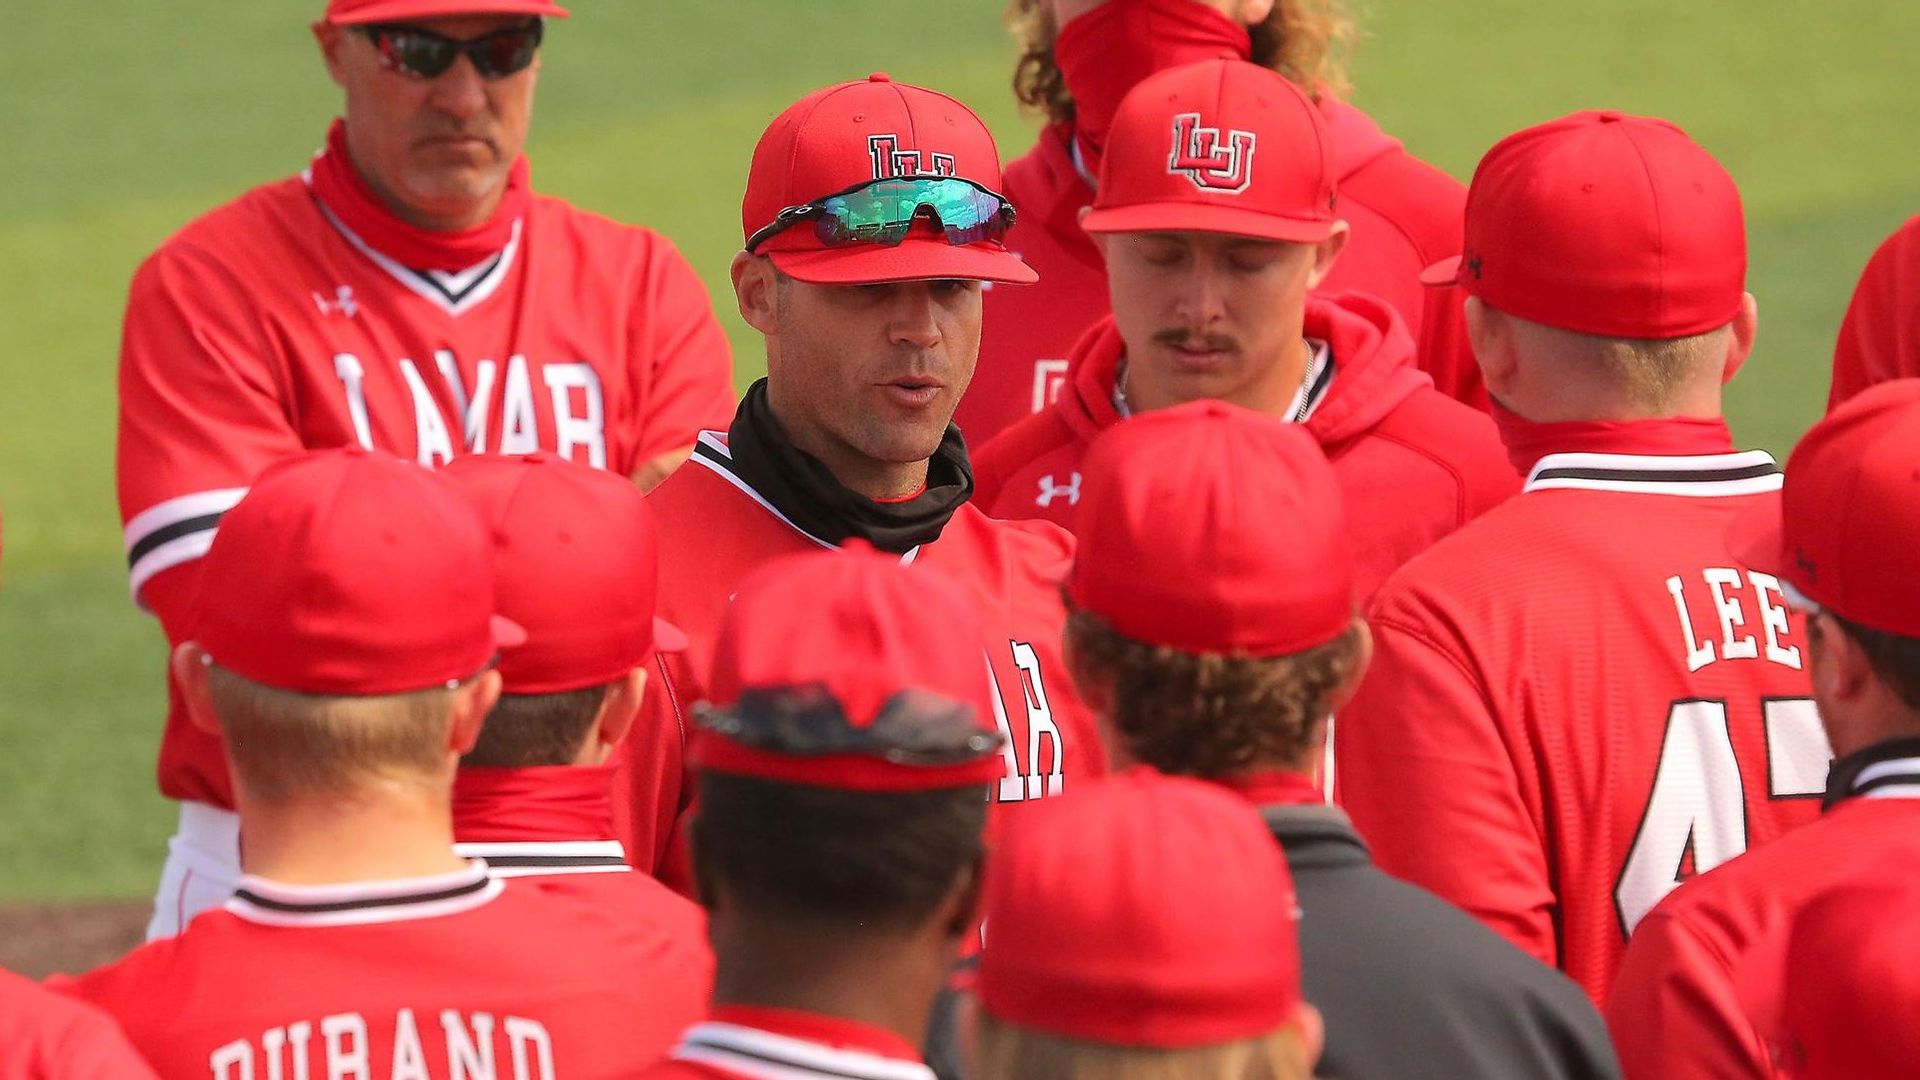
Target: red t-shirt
1583, 698
405, 978
1705, 977
47, 1036
1413, 465
714, 530
1405, 214
746, 1043
1880, 336
264, 329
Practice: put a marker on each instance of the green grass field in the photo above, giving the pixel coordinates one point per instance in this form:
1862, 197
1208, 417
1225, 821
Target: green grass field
121, 119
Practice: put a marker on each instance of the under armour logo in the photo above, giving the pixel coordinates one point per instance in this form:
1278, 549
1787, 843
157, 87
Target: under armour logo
1050, 491
1199, 156
1800, 560
1473, 265
342, 302
890, 161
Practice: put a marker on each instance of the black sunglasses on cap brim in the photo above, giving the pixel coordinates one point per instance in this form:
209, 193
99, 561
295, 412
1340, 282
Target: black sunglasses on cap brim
425, 54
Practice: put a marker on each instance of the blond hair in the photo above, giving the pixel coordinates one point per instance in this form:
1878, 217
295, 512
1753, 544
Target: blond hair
1205, 714
285, 744
1650, 372
1007, 1052
1308, 41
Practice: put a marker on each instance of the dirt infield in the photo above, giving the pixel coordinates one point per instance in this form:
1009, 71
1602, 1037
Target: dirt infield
37, 940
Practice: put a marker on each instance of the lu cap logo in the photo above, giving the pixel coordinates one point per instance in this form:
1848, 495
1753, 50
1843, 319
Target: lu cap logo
1199, 156
890, 161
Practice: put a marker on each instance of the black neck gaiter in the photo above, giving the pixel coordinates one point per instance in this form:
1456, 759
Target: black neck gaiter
806, 491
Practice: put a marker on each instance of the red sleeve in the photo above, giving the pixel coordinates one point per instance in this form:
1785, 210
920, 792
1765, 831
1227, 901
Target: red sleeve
201, 414
1673, 1009
689, 365
1878, 340
1422, 770
651, 788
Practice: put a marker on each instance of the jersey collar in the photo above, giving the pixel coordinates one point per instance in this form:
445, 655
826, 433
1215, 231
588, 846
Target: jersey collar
272, 903
783, 1044
1749, 472
1885, 770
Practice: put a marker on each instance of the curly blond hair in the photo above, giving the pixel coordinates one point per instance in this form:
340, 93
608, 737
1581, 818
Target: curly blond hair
1308, 41
1210, 715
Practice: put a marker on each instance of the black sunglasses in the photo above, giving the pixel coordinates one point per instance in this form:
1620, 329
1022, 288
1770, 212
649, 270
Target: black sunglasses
426, 55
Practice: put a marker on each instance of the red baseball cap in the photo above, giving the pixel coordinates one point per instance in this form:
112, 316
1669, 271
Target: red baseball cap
1210, 528
1851, 499
1852, 990
1603, 223
1143, 910
349, 573
846, 669
853, 133
357, 12
575, 564
1221, 146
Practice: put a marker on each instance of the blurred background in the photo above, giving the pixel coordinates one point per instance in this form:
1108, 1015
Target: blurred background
120, 120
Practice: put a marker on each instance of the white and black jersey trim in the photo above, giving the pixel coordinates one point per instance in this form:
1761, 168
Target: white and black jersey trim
764, 1055
710, 451
173, 532
541, 858
273, 904
457, 291
1748, 472
1895, 778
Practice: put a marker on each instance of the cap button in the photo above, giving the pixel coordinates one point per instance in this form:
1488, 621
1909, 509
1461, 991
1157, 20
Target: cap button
879, 76
1610, 116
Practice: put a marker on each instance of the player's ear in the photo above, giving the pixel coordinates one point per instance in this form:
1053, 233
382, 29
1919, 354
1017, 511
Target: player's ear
472, 701
1327, 252
968, 899
1100, 239
191, 665
1311, 1027
756, 288
1485, 332
1363, 657
616, 717
1744, 326
331, 38
1255, 12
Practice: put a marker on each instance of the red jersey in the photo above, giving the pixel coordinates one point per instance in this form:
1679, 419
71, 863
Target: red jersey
714, 529
1706, 973
1405, 214
458, 974
266, 328
1413, 465
1880, 336
46, 1036
554, 825
1583, 698
765, 1044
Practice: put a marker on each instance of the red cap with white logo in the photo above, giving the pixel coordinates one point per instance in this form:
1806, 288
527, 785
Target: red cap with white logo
836, 139
1221, 146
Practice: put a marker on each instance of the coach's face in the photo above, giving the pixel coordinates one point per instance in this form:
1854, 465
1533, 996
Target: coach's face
437, 150
1207, 315
863, 374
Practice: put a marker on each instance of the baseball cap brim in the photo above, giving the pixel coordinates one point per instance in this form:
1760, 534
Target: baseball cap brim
1190, 217
913, 259
1758, 538
401, 10
667, 637
1443, 273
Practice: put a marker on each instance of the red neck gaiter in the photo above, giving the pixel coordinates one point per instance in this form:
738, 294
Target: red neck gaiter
1677, 436
343, 191
560, 802
1106, 52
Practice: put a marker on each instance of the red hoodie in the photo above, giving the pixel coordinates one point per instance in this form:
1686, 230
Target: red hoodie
1413, 464
1880, 338
1405, 215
